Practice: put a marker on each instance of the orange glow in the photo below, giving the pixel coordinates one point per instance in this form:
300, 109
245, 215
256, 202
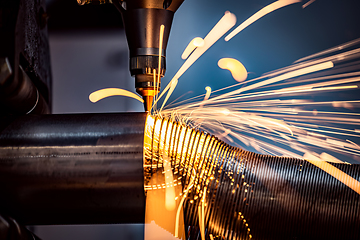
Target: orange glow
237, 69
193, 44
108, 92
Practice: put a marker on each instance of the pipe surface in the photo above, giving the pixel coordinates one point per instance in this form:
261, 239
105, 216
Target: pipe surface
237, 194
72, 169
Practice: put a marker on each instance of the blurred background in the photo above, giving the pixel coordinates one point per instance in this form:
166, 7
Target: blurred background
89, 52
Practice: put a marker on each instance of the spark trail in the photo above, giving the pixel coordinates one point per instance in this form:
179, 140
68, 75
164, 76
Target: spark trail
279, 114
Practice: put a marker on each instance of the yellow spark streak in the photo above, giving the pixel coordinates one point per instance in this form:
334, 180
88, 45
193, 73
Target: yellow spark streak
353, 143
161, 38
208, 92
312, 126
191, 184
282, 77
270, 93
108, 92
345, 76
264, 11
237, 69
196, 42
207, 95
201, 212
154, 99
321, 84
224, 25
171, 90
308, 3
331, 50
335, 172
329, 158
343, 56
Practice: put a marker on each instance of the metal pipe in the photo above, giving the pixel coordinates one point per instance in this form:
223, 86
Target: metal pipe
72, 169
89, 169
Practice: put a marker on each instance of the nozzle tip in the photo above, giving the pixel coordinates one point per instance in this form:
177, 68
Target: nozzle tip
148, 102
148, 96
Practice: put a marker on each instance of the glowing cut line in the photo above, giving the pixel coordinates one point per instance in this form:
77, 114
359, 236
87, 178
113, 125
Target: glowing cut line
108, 92
196, 42
264, 11
224, 25
237, 69
335, 172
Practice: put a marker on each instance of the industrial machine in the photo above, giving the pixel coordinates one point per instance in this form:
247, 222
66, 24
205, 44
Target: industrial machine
92, 168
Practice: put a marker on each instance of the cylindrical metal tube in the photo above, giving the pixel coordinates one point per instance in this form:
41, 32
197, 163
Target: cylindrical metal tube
89, 169
73, 169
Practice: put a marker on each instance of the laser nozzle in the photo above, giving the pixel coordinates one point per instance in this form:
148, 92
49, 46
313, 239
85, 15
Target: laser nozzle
148, 95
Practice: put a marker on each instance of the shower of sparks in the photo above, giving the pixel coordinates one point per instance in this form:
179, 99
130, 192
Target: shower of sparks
224, 25
264, 11
308, 3
108, 92
237, 69
277, 114
193, 44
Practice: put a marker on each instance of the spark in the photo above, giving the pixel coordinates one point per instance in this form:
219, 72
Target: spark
331, 50
271, 114
161, 38
208, 92
201, 213
335, 172
224, 25
193, 44
254, 117
264, 11
292, 74
207, 95
177, 219
345, 56
308, 3
237, 69
108, 92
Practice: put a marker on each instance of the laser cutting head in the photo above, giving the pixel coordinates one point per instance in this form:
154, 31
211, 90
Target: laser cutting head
142, 20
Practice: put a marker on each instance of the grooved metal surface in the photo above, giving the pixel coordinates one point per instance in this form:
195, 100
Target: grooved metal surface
253, 196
